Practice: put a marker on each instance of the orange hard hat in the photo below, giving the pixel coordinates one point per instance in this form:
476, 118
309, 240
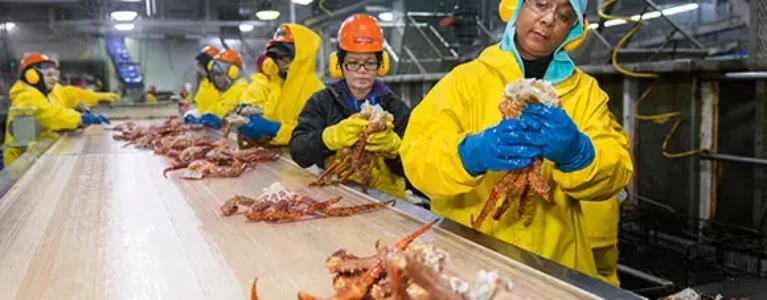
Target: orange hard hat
33, 59
282, 35
211, 50
361, 33
230, 56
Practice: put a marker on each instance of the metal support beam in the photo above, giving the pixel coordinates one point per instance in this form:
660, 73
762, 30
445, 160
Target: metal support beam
674, 24
312, 22
758, 62
708, 140
734, 159
630, 94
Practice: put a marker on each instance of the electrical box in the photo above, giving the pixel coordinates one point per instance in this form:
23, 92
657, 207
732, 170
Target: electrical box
23, 127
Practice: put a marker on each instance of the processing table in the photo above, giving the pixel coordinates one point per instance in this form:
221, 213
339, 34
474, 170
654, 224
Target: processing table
87, 218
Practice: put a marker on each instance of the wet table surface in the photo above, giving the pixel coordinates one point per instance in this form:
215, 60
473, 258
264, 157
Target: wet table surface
93, 220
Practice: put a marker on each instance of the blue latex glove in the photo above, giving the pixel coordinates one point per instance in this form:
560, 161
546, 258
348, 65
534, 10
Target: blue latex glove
92, 119
210, 120
564, 144
259, 127
191, 119
508, 146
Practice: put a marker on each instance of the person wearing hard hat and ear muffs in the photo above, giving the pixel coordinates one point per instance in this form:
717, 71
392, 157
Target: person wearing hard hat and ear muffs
285, 82
226, 76
324, 126
38, 75
458, 146
207, 94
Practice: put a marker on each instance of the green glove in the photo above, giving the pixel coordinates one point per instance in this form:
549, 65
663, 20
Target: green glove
386, 141
344, 134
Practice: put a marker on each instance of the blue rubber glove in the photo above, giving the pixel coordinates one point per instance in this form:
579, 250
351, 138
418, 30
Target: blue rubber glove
508, 146
210, 120
92, 119
564, 144
191, 119
260, 127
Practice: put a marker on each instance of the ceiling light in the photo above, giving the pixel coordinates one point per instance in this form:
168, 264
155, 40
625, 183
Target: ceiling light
302, 2
8, 26
246, 27
267, 15
124, 15
593, 26
386, 16
656, 14
125, 27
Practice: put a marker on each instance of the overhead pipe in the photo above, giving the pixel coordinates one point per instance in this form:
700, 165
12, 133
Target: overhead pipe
311, 22
734, 159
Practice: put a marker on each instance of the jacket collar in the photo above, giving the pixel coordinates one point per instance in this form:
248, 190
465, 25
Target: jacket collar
343, 95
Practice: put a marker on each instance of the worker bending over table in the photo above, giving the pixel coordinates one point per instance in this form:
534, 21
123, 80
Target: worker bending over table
324, 126
37, 77
226, 75
458, 146
285, 82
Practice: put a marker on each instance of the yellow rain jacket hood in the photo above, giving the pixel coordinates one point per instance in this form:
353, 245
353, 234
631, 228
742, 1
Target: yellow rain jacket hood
282, 100
206, 96
466, 102
50, 116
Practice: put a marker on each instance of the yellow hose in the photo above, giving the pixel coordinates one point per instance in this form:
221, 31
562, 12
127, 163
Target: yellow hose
658, 118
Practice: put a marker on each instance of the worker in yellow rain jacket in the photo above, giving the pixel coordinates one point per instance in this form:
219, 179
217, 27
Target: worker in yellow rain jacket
38, 75
601, 217
284, 84
206, 92
72, 97
324, 125
226, 76
457, 146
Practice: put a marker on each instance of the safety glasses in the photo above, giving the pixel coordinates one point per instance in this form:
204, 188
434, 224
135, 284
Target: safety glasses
564, 14
354, 66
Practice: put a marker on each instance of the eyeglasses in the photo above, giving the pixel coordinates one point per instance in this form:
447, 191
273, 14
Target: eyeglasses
355, 66
564, 15
285, 59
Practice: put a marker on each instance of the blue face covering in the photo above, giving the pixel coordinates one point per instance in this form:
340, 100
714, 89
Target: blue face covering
561, 67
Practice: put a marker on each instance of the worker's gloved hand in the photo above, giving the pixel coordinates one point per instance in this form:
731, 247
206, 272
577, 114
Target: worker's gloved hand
210, 120
259, 127
386, 141
508, 146
563, 143
92, 119
344, 134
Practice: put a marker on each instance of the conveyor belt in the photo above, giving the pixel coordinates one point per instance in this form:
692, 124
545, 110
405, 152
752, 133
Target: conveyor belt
93, 220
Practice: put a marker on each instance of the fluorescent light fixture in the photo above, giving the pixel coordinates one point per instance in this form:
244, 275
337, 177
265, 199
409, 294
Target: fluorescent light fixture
386, 16
302, 2
124, 15
594, 26
653, 15
8, 26
246, 27
125, 27
268, 15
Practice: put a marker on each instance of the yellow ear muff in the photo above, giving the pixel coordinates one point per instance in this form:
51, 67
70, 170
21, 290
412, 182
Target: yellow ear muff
32, 77
269, 67
574, 44
334, 67
233, 72
384, 68
209, 67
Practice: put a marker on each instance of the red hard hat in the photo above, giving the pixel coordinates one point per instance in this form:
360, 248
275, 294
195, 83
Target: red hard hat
33, 59
230, 56
361, 33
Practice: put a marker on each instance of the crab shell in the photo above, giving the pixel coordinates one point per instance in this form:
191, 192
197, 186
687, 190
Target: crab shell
527, 91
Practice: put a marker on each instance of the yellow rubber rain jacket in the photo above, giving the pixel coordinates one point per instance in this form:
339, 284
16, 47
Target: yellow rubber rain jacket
229, 100
282, 100
69, 96
50, 116
207, 95
466, 102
